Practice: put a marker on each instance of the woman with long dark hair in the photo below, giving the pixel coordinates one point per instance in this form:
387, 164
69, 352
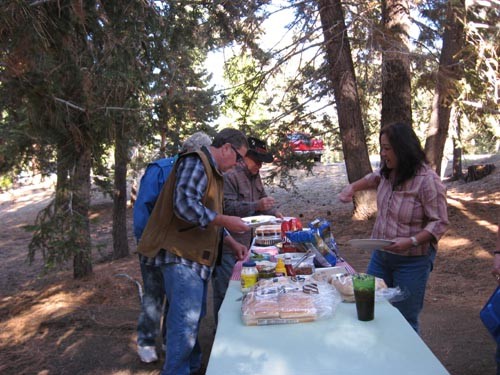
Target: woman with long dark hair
412, 212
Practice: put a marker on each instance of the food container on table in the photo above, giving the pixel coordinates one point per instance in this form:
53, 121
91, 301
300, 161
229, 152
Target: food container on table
306, 265
249, 275
305, 268
260, 256
266, 272
267, 235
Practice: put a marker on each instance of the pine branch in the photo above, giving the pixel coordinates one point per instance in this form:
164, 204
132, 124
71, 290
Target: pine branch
69, 104
481, 107
39, 2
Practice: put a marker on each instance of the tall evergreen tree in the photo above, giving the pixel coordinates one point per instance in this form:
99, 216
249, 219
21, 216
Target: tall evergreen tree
343, 79
449, 73
84, 77
396, 74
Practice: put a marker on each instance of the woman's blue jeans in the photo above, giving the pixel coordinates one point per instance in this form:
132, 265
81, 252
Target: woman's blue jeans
410, 274
186, 294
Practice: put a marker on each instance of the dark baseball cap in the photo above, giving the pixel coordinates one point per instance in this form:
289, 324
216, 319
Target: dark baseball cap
257, 150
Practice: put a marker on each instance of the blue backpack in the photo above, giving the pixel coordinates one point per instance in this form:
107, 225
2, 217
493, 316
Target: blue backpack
152, 182
490, 315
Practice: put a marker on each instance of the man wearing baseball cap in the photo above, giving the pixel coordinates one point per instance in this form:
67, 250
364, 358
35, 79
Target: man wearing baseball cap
244, 195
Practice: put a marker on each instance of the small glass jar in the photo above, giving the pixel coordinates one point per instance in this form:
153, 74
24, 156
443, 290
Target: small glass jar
249, 276
267, 272
288, 265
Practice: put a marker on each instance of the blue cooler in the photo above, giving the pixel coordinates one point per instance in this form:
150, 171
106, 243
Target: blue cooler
490, 315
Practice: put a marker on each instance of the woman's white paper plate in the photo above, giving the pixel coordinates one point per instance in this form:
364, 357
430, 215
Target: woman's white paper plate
370, 244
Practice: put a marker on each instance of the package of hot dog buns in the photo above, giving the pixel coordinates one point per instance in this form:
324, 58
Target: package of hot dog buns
288, 300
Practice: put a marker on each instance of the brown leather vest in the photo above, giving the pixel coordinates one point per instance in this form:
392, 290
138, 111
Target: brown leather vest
165, 230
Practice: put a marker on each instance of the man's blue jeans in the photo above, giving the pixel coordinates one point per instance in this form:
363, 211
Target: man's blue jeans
220, 281
148, 325
186, 294
410, 274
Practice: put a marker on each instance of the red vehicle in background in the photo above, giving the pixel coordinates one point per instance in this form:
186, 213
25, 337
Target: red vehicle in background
305, 144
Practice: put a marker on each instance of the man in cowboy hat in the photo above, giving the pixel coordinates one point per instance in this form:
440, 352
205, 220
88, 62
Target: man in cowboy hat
244, 195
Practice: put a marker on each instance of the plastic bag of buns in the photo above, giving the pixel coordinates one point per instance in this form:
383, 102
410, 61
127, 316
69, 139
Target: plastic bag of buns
343, 284
285, 300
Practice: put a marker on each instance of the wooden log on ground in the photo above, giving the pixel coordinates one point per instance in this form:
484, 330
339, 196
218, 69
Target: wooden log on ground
477, 171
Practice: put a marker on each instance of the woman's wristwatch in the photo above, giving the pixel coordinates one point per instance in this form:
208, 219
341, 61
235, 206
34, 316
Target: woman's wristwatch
414, 241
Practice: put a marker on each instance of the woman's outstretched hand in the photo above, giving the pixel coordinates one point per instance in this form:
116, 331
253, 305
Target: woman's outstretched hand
346, 194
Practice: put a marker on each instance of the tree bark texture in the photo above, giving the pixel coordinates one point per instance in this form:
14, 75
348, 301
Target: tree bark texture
63, 180
343, 80
396, 75
120, 238
457, 173
82, 260
449, 72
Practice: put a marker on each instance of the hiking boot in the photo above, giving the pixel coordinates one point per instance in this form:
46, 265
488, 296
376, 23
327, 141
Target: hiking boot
147, 353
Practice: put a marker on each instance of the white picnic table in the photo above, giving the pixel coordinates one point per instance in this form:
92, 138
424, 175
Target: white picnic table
338, 345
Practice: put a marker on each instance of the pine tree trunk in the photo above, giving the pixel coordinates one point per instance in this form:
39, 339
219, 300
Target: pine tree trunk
457, 173
343, 80
449, 72
396, 75
63, 180
82, 260
120, 238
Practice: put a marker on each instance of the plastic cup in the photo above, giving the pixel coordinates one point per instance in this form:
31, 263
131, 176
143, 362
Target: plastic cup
364, 294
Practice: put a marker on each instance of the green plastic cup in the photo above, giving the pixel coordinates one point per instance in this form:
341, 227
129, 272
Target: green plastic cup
364, 294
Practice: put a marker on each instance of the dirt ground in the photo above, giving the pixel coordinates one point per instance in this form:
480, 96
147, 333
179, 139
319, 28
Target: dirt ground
56, 325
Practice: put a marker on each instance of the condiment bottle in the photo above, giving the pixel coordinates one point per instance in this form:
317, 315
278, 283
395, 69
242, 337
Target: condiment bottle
249, 275
280, 268
287, 246
288, 265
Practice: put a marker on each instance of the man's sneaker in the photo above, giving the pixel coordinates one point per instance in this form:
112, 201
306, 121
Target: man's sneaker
147, 353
